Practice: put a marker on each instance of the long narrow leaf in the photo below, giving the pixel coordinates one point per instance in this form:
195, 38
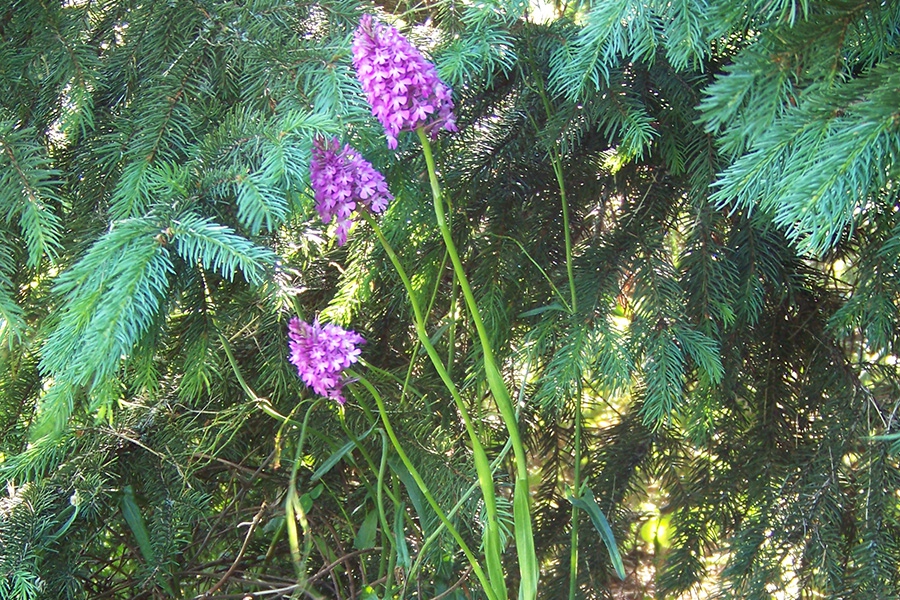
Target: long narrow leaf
336, 457
135, 522
589, 505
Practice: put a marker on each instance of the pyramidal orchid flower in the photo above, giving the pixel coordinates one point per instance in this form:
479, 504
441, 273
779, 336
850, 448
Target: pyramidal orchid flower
342, 181
402, 88
321, 353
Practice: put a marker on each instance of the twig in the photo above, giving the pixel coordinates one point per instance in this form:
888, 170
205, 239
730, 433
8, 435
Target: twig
327, 568
235, 500
227, 463
240, 554
300, 586
122, 436
458, 583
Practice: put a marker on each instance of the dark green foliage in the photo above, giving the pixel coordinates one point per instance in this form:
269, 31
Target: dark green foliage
730, 170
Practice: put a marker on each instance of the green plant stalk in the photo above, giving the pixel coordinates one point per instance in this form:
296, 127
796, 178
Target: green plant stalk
451, 335
386, 529
549, 281
495, 464
375, 493
392, 494
528, 566
476, 567
459, 503
492, 546
292, 507
239, 376
262, 403
556, 160
576, 476
415, 352
292, 504
570, 270
576, 483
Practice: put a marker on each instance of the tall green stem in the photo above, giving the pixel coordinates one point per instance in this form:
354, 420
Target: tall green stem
528, 567
558, 170
492, 546
576, 482
293, 508
386, 530
556, 159
476, 567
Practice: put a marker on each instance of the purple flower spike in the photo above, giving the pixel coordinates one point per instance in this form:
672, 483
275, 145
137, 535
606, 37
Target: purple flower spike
402, 87
321, 353
342, 180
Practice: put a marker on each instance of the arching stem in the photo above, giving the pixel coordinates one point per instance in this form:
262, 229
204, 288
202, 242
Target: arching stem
528, 567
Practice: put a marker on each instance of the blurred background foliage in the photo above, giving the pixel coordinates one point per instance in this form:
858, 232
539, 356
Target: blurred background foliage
730, 341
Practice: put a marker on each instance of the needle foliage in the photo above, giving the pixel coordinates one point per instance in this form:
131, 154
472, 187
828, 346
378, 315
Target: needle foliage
709, 353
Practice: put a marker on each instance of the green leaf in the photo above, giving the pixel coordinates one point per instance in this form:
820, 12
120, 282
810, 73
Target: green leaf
365, 537
589, 505
369, 593
336, 457
555, 306
306, 500
415, 494
73, 514
135, 522
332, 460
529, 569
400, 546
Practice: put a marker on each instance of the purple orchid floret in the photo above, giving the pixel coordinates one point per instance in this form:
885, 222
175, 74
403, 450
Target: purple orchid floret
321, 353
342, 180
402, 87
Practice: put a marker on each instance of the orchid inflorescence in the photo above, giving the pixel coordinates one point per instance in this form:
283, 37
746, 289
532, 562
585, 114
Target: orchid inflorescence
402, 87
406, 94
321, 353
342, 180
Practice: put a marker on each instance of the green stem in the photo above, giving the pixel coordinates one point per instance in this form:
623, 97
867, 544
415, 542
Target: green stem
386, 530
570, 271
382, 410
394, 497
293, 505
556, 159
528, 567
576, 483
238, 375
459, 504
451, 336
547, 278
377, 491
492, 546
263, 403
462, 500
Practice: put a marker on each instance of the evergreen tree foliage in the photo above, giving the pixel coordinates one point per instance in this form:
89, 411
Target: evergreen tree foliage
680, 222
